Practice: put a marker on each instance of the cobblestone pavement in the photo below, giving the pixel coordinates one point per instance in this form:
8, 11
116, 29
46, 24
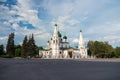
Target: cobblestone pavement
40, 69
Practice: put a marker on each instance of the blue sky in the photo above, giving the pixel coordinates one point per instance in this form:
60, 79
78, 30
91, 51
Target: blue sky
98, 19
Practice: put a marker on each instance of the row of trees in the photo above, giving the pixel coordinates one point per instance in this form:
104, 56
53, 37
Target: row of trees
102, 49
28, 48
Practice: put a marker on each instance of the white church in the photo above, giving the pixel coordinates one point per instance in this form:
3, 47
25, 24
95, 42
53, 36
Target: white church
58, 47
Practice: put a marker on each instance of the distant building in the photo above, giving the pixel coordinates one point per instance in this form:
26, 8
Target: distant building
58, 47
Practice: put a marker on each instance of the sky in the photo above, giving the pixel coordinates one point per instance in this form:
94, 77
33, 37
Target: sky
98, 20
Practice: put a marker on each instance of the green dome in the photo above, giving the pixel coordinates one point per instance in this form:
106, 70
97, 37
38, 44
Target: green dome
51, 38
59, 34
48, 41
65, 37
55, 24
80, 30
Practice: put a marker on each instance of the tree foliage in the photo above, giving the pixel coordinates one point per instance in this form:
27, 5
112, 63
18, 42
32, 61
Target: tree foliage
117, 51
2, 52
28, 47
100, 49
37, 48
24, 47
10, 46
17, 50
31, 46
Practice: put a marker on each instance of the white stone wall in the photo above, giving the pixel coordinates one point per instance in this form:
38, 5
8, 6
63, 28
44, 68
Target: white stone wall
55, 44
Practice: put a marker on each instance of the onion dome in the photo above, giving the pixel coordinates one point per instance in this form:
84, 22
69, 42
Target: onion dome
59, 34
51, 38
48, 41
65, 37
80, 30
55, 24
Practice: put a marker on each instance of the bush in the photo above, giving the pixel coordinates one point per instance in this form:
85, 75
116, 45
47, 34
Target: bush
6, 56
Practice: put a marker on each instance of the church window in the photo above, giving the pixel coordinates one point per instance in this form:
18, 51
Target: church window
56, 41
53, 41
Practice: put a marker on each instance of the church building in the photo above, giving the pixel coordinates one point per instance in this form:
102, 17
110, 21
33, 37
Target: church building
59, 48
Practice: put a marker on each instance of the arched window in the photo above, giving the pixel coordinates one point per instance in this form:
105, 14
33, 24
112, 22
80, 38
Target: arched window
53, 41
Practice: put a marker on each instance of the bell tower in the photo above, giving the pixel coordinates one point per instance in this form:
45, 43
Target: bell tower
81, 46
81, 41
55, 43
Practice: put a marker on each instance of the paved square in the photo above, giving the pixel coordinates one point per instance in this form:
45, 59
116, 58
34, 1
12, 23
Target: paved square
39, 69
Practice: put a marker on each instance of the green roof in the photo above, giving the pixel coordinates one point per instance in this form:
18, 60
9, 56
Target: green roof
80, 30
55, 24
59, 34
65, 37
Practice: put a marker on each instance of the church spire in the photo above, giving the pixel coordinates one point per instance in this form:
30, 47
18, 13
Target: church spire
55, 43
55, 29
81, 41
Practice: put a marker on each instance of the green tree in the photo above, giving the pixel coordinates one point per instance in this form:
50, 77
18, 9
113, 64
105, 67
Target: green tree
100, 49
91, 48
31, 46
24, 48
28, 47
37, 48
10, 46
17, 50
2, 52
117, 51
109, 50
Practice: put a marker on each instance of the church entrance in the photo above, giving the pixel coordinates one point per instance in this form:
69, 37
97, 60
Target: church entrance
70, 54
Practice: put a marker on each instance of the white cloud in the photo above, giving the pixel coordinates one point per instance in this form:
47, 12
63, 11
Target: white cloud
65, 22
6, 23
106, 32
103, 29
75, 40
40, 36
58, 8
62, 19
3, 38
15, 26
98, 20
26, 13
73, 22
